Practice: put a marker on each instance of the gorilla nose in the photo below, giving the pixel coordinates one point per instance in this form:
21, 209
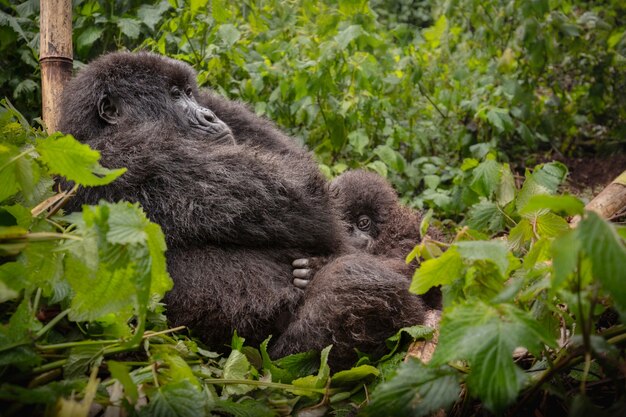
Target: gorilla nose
206, 117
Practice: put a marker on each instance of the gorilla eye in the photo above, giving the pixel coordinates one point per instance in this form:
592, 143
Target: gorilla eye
175, 92
189, 91
364, 223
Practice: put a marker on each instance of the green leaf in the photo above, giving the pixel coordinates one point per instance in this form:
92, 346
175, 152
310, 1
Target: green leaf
544, 180
602, 244
349, 34
119, 371
150, 15
565, 255
237, 367
177, 399
486, 335
416, 390
314, 381
486, 216
358, 140
86, 39
566, 204
127, 224
439, 271
65, 156
486, 178
551, 225
353, 375
81, 360
391, 158
129, 27
229, 34
520, 234
246, 407
492, 251
180, 371
505, 193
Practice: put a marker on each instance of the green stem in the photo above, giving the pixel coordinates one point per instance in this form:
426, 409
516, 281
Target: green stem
75, 344
52, 323
37, 300
49, 366
218, 381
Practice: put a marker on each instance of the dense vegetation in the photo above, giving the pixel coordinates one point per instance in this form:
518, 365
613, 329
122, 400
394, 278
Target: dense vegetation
454, 101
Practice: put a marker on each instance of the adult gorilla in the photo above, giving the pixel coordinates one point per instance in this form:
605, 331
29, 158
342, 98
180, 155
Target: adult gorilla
237, 206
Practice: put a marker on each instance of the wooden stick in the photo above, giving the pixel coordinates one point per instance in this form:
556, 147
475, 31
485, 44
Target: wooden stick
610, 201
55, 57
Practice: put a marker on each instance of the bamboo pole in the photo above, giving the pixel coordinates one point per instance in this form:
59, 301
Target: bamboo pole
55, 57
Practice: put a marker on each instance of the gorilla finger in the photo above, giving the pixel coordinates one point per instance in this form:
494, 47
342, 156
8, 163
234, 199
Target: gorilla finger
300, 263
300, 283
302, 273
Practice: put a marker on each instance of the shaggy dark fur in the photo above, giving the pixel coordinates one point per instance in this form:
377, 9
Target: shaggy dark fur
377, 222
237, 204
367, 302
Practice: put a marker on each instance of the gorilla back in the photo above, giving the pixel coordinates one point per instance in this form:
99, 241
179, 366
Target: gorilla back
235, 212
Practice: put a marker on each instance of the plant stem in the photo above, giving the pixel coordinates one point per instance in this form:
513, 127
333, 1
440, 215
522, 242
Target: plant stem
52, 323
75, 344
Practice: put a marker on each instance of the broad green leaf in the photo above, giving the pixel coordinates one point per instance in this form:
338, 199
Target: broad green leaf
150, 15
565, 256
314, 381
439, 271
86, 39
180, 371
177, 399
486, 178
65, 156
237, 367
559, 204
8, 177
127, 224
608, 255
520, 234
119, 371
229, 34
505, 193
416, 390
551, 225
246, 407
544, 180
350, 376
486, 216
81, 360
219, 11
349, 34
129, 27
391, 158
358, 140
486, 335
492, 251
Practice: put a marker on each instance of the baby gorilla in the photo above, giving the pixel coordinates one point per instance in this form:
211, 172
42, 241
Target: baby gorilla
377, 224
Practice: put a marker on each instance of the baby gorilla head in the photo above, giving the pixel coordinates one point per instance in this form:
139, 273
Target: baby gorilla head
124, 90
377, 222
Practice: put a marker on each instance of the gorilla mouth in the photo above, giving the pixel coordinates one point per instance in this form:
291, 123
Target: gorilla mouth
226, 137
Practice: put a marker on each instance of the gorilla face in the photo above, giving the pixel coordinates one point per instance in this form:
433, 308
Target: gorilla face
145, 91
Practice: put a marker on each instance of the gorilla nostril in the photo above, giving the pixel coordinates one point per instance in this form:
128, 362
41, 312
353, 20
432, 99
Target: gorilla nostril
210, 117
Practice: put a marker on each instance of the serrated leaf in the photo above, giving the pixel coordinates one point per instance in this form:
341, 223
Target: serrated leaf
314, 381
602, 244
127, 224
350, 376
486, 178
237, 367
180, 371
359, 140
229, 34
492, 251
416, 390
86, 39
81, 360
77, 162
440, 271
177, 399
544, 180
505, 193
565, 255
119, 371
151, 14
559, 204
486, 335
486, 216
551, 225
520, 234
391, 158
129, 27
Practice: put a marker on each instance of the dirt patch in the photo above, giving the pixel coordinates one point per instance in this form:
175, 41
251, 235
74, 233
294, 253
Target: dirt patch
589, 175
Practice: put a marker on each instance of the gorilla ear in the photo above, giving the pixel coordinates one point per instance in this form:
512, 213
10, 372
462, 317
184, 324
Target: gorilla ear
108, 109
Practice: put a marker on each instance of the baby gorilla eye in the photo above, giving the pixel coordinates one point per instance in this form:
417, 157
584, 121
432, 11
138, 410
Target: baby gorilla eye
189, 91
364, 223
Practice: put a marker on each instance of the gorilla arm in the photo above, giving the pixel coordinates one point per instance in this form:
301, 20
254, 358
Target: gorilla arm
203, 192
